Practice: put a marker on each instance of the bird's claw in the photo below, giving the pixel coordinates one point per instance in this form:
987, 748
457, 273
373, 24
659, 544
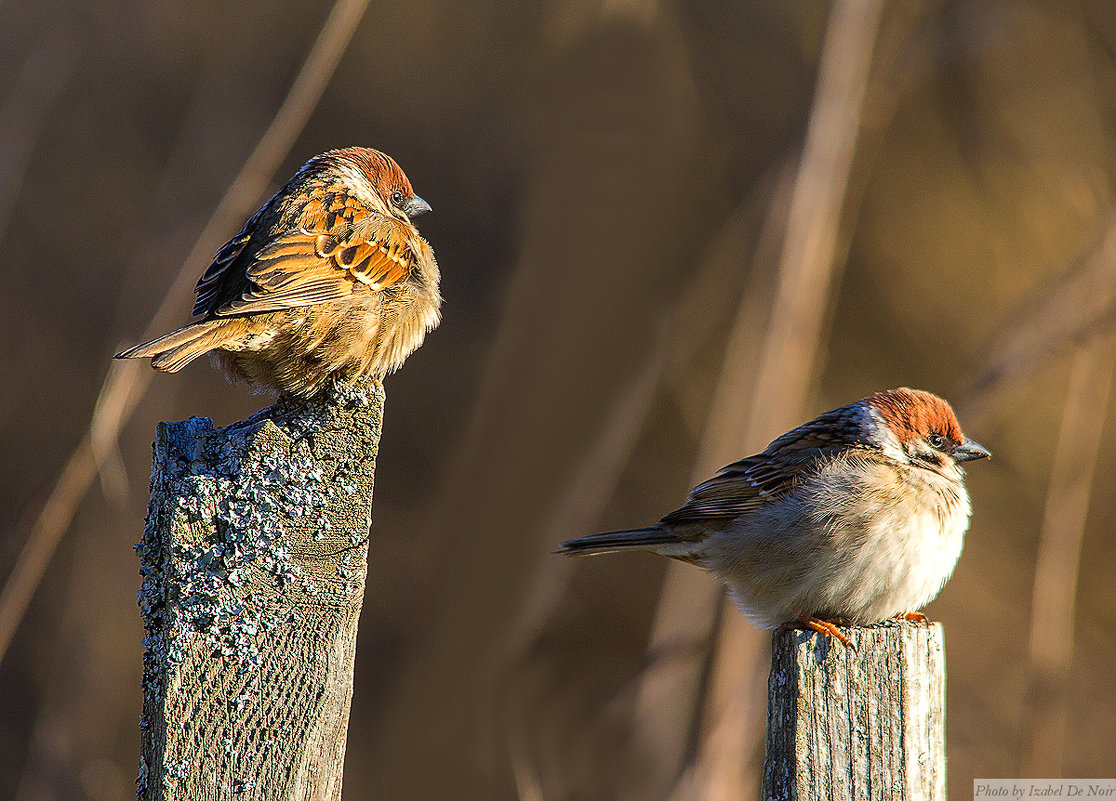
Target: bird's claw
914, 617
828, 628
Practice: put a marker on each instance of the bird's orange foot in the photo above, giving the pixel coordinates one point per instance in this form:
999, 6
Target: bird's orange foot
915, 617
826, 627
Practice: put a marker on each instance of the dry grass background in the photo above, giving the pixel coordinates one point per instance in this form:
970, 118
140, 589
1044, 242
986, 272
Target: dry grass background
613, 184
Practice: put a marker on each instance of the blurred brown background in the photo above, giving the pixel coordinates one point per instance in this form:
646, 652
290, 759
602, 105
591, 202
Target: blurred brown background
613, 184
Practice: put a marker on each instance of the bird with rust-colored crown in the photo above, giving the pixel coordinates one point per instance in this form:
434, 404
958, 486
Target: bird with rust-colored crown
854, 517
329, 280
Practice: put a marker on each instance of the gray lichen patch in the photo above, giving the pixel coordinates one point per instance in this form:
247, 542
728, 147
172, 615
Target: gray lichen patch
253, 561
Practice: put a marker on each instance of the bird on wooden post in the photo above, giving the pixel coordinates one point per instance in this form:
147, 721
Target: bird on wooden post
854, 517
328, 280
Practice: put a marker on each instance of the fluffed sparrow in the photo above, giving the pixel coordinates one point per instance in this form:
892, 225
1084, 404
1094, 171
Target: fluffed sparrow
330, 279
856, 516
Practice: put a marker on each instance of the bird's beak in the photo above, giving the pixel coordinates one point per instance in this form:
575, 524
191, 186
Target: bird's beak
969, 450
416, 206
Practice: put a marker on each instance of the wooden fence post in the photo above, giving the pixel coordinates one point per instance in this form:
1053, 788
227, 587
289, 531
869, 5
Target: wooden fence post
863, 724
253, 563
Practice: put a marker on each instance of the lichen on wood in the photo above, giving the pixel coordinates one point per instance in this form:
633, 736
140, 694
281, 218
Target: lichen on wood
857, 723
253, 564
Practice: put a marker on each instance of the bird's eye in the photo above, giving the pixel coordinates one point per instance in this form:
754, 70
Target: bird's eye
935, 441
396, 198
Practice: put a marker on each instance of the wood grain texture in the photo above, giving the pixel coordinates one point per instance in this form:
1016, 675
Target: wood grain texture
867, 723
253, 562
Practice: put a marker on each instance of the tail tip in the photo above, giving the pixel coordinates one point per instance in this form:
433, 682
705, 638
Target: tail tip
566, 548
136, 351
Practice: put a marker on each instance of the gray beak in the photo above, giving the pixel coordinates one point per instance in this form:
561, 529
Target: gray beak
968, 450
416, 206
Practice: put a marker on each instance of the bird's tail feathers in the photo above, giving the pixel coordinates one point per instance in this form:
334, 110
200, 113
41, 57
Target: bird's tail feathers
652, 538
173, 351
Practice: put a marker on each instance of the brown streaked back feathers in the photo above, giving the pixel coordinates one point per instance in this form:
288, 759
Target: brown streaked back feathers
332, 245
754, 480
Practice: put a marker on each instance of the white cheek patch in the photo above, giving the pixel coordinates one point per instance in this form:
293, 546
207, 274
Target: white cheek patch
877, 431
362, 190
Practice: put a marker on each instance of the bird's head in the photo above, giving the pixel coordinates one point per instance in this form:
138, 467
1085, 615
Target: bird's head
920, 429
375, 178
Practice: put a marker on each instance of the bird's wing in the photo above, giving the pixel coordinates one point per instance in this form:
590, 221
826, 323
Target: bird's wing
751, 482
340, 248
217, 274
738, 488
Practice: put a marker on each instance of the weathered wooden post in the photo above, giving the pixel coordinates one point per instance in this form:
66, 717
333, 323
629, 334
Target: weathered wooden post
851, 724
253, 562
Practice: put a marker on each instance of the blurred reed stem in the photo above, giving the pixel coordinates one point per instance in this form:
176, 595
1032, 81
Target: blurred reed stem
667, 716
1059, 558
126, 385
1072, 310
788, 359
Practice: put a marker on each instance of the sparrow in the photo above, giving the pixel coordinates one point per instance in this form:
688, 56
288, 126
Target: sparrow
328, 280
854, 517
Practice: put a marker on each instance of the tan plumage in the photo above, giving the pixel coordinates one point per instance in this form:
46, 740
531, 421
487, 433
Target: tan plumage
328, 280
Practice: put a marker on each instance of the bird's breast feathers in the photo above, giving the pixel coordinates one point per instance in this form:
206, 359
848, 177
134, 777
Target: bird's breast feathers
906, 523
